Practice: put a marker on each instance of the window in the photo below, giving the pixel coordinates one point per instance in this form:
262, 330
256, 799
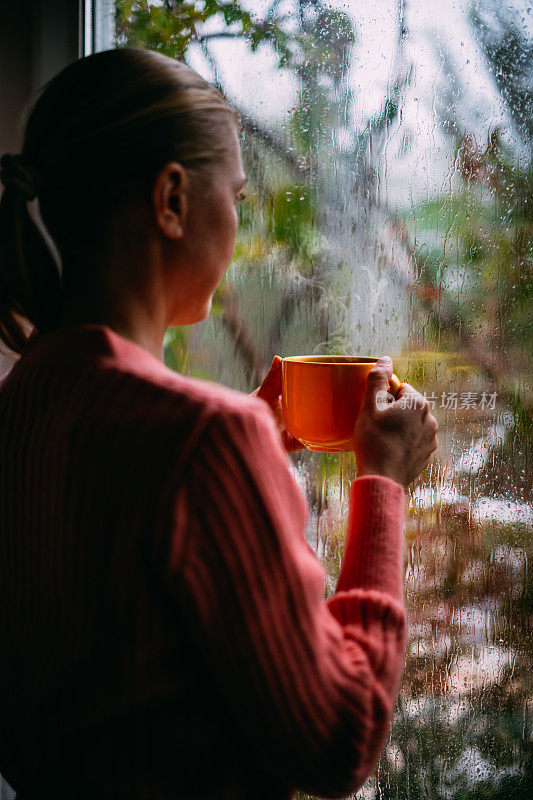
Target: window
388, 211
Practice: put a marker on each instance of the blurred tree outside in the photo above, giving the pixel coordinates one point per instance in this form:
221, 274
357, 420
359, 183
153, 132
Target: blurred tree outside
325, 263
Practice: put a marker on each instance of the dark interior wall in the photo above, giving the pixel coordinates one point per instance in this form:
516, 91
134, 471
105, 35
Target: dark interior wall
37, 39
15, 69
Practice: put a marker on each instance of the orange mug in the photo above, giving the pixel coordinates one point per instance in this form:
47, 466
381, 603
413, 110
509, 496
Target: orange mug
321, 398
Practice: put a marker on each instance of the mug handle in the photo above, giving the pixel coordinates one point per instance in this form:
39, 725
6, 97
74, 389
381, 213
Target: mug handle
394, 384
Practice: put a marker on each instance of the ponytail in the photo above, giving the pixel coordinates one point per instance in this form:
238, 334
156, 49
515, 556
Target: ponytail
30, 284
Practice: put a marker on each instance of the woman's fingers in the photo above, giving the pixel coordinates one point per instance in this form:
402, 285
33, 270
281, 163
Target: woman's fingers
377, 381
270, 392
270, 389
412, 398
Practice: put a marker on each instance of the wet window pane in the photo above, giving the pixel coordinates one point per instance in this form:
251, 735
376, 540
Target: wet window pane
388, 211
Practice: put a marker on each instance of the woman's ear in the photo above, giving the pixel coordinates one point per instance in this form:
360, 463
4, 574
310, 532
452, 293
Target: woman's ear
170, 200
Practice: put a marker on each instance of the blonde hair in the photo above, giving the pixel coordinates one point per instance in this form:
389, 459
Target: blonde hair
96, 138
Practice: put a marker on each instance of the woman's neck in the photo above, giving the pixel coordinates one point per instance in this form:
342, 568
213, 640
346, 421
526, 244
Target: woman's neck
130, 314
122, 285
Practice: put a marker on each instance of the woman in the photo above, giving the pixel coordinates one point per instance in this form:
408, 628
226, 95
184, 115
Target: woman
163, 629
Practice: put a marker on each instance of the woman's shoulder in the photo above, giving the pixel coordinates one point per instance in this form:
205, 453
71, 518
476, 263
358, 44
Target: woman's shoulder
124, 385
201, 420
159, 381
205, 398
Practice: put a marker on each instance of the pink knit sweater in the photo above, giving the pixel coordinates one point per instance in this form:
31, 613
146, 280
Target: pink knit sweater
163, 627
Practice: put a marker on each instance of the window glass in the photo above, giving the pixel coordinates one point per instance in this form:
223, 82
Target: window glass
388, 211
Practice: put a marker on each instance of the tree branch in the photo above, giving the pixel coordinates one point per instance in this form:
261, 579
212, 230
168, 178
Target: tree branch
243, 341
300, 165
220, 35
436, 305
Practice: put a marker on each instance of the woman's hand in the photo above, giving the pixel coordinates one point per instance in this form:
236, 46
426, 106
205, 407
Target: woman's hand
270, 392
394, 440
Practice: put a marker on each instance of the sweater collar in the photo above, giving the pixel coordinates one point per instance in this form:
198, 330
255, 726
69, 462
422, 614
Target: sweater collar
87, 341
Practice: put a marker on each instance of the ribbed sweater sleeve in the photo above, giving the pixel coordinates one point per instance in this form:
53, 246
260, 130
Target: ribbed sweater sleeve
311, 684
373, 552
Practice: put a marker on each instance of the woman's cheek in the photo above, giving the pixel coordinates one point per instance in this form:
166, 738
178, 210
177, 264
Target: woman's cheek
231, 224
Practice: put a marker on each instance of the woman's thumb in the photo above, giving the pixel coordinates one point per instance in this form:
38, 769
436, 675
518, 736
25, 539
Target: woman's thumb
270, 389
378, 380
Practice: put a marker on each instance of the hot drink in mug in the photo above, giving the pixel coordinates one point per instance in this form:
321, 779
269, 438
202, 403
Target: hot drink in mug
322, 397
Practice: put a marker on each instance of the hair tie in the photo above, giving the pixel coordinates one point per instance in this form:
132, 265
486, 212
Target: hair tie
14, 172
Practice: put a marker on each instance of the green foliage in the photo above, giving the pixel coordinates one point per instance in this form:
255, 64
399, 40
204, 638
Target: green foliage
475, 247
509, 57
176, 348
292, 217
170, 27
325, 44
317, 50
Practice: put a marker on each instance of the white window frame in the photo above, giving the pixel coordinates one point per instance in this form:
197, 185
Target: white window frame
97, 26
